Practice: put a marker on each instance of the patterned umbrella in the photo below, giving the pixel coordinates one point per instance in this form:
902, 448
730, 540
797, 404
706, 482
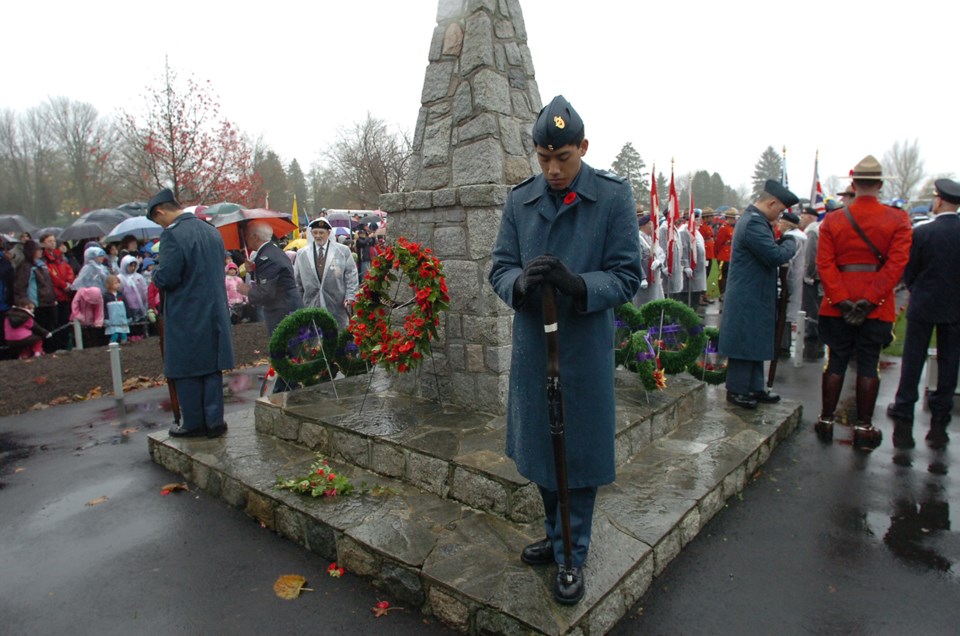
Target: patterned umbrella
231, 226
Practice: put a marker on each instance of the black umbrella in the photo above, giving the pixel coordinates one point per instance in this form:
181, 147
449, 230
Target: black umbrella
108, 217
79, 230
56, 231
134, 208
371, 218
15, 224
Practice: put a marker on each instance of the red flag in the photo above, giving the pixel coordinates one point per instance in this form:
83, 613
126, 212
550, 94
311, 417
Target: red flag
673, 215
654, 212
692, 227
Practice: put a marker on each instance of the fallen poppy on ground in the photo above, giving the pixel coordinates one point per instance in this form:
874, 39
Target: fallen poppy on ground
382, 608
169, 488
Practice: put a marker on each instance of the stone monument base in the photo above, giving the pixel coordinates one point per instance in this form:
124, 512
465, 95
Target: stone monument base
448, 540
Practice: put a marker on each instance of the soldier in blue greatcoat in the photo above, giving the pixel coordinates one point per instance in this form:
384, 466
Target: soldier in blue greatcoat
575, 228
198, 343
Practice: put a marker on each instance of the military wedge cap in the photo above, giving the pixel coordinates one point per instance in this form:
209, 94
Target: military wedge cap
557, 125
948, 190
780, 193
164, 196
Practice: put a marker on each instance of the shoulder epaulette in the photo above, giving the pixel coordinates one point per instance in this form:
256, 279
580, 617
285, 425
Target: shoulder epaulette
606, 174
526, 181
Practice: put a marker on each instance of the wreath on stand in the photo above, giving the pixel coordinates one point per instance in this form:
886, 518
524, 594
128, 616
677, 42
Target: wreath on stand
663, 336
378, 340
677, 332
709, 368
302, 346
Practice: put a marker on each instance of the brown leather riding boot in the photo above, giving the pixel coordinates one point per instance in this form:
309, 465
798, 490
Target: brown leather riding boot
830, 386
865, 433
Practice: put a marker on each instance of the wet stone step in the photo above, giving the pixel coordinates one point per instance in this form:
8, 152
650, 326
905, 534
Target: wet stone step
461, 564
448, 450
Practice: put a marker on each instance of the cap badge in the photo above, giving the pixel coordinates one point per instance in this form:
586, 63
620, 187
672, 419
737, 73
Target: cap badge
559, 123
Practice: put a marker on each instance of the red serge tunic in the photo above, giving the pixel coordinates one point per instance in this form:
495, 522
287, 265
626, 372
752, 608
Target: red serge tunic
840, 247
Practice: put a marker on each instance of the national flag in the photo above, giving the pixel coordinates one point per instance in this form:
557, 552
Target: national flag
673, 215
692, 227
654, 213
816, 192
296, 218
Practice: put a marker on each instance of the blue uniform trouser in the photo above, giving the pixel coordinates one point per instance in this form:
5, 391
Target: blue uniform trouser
744, 376
581, 502
915, 346
201, 401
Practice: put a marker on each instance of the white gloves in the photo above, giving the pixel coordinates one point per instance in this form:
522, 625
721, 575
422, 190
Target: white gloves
644, 284
688, 272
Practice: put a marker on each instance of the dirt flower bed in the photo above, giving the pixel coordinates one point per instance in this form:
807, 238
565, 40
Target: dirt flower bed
80, 375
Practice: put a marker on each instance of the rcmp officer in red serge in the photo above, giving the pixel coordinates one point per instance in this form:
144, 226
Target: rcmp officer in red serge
861, 256
748, 324
575, 228
931, 277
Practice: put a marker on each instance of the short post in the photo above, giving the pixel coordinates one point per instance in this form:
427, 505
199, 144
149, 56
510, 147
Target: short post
77, 335
798, 342
117, 373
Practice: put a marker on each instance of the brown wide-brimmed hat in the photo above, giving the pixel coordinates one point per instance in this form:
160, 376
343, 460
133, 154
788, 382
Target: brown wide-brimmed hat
731, 213
868, 168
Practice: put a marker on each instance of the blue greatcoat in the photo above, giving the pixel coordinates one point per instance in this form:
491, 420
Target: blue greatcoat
595, 236
750, 301
197, 336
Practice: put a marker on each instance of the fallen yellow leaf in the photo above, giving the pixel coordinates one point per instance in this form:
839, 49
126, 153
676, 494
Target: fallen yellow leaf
97, 501
289, 586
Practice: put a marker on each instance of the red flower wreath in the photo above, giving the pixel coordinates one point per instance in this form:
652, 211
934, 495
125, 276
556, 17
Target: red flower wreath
375, 337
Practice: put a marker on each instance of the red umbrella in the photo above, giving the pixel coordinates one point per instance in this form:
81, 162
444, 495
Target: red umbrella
233, 224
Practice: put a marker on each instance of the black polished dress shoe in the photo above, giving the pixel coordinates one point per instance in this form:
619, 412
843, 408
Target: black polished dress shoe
741, 399
765, 397
569, 586
179, 431
897, 414
903, 435
539, 553
217, 431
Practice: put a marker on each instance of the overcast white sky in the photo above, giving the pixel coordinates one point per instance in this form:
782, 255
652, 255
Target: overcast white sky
710, 84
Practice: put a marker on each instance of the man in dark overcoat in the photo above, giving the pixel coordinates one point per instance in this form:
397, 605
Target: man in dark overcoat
931, 276
748, 326
198, 343
276, 288
575, 228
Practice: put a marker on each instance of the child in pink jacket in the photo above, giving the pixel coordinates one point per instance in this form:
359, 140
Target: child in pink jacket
22, 333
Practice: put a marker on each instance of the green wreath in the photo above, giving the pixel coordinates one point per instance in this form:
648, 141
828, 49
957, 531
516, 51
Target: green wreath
670, 312
347, 355
642, 358
292, 354
716, 374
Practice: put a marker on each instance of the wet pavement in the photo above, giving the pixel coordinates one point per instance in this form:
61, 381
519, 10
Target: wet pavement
825, 539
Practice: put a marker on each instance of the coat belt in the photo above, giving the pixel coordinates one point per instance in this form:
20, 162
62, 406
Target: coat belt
859, 268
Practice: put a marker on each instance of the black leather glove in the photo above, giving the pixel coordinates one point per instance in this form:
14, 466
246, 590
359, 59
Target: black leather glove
861, 309
845, 307
564, 280
533, 275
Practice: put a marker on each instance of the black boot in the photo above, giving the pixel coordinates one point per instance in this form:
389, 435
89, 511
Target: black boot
830, 386
865, 434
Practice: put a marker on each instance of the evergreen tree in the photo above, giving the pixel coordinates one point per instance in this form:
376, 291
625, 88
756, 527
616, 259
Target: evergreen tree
718, 191
274, 186
702, 195
663, 190
630, 165
297, 183
768, 167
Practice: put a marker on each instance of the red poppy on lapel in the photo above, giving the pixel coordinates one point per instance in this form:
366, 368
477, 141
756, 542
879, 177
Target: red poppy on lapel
570, 198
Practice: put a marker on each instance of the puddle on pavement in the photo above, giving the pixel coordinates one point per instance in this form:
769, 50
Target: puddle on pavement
13, 449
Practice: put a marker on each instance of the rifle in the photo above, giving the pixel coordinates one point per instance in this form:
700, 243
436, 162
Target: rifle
171, 385
781, 324
555, 412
